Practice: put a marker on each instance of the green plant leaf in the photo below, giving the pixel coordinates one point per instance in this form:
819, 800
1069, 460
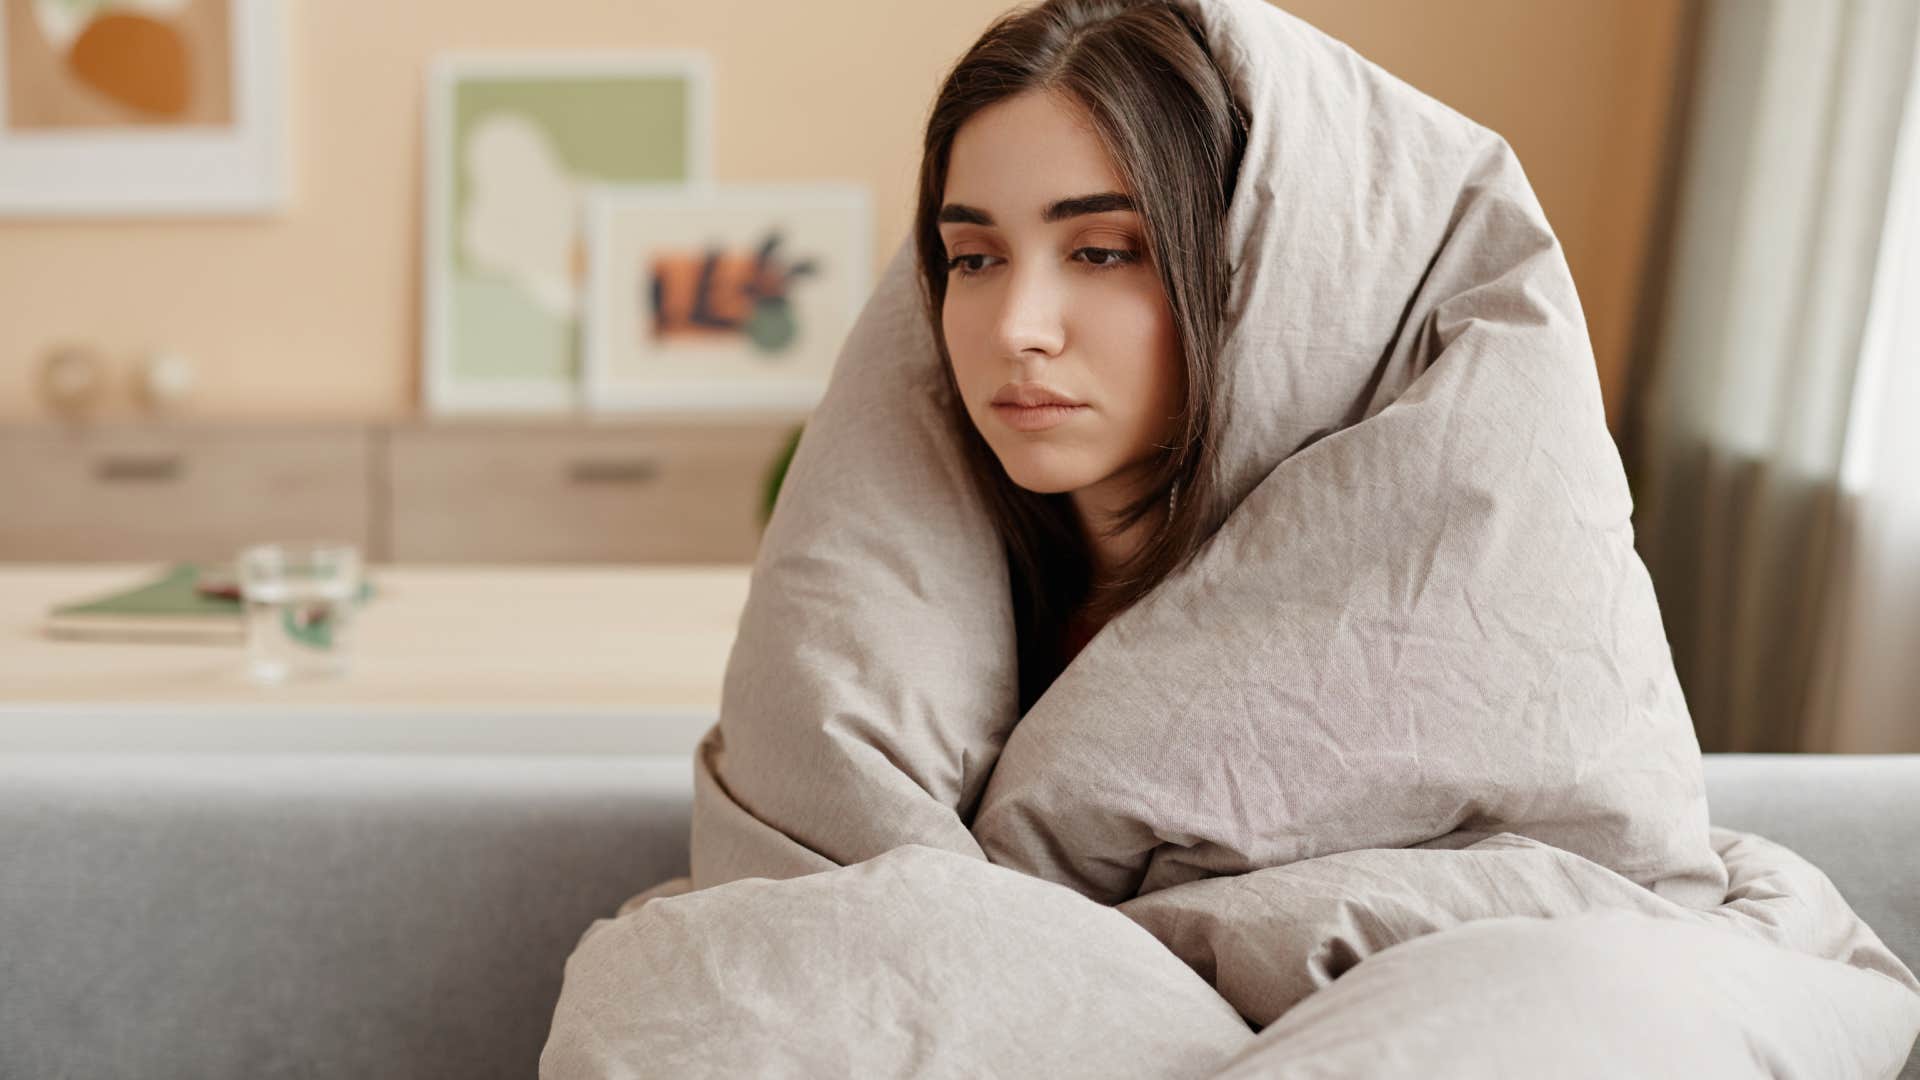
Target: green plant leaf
777, 474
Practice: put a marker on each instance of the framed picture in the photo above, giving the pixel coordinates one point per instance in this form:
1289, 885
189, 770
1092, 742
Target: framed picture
143, 107
514, 142
734, 297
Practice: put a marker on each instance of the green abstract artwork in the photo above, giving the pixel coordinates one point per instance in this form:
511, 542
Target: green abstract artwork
522, 139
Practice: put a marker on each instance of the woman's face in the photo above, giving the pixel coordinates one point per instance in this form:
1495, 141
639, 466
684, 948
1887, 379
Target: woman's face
1052, 295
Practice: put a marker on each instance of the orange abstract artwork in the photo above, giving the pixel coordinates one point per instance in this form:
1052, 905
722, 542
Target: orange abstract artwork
723, 294
98, 63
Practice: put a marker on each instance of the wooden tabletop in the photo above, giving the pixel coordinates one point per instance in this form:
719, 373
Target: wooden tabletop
524, 658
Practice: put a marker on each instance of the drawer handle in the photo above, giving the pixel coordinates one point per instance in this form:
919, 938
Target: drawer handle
158, 469
635, 471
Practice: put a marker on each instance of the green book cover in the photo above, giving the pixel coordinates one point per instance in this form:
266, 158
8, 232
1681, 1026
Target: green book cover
169, 607
171, 594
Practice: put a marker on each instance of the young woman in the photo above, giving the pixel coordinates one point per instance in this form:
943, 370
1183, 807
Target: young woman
1379, 724
1078, 165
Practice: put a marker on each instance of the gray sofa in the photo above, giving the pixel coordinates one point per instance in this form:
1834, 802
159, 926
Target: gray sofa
408, 916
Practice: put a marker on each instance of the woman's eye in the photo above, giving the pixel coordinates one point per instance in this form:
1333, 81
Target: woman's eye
960, 264
1106, 258
1097, 257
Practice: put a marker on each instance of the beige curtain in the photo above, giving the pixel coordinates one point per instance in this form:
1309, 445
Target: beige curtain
1868, 693
1781, 221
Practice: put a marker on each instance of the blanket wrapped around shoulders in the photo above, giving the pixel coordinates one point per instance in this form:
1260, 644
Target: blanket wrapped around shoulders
1394, 778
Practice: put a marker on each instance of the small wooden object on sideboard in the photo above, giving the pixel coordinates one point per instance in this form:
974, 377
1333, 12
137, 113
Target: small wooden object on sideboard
685, 489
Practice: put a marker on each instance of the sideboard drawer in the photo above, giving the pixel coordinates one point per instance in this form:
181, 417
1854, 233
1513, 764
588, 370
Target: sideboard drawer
664, 492
137, 493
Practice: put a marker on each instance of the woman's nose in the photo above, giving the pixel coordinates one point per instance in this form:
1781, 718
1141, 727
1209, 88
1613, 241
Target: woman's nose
1032, 316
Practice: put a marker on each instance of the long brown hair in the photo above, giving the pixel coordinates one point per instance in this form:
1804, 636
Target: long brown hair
1162, 110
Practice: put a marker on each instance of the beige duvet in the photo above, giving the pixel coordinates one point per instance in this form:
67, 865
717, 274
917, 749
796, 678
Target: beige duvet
1395, 779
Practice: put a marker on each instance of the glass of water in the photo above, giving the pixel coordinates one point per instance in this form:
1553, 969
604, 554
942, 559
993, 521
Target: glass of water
300, 599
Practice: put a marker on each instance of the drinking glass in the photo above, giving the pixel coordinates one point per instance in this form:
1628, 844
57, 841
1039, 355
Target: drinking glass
300, 599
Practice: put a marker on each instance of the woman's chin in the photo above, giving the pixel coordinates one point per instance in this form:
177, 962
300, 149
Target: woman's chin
1044, 477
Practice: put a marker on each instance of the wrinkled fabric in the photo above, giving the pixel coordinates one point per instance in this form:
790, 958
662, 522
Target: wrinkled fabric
1394, 778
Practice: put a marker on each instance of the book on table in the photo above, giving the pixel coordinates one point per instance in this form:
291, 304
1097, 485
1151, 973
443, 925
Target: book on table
185, 602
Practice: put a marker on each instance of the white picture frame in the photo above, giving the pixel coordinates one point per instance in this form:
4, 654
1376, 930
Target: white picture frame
244, 169
447, 388
826, 225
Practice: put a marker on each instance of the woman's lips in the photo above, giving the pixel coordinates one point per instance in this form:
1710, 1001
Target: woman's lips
1035, 417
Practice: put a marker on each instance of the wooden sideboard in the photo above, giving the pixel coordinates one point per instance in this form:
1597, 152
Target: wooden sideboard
496, 490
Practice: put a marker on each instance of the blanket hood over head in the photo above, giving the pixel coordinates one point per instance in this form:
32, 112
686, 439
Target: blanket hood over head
1422, 615
1416, 678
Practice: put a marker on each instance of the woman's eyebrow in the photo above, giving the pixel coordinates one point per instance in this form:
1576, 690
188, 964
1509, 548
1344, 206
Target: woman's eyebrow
1087, 204
1076, 206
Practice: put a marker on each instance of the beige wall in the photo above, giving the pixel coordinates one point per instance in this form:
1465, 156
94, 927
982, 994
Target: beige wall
316, 313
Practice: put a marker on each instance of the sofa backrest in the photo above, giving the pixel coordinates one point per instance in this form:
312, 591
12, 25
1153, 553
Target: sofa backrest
410, 915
